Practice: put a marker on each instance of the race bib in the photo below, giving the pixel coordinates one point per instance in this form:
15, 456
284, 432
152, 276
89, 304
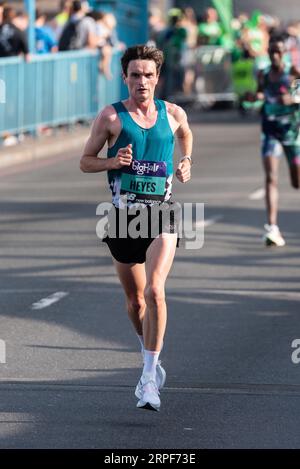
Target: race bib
144, 181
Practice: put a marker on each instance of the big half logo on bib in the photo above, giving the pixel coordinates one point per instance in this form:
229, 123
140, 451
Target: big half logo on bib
144, 181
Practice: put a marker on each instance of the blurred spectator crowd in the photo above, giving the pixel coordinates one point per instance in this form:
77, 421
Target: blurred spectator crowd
179, 34
74, 27
182, 33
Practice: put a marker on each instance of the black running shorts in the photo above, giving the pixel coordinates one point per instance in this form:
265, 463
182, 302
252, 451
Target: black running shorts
131, 250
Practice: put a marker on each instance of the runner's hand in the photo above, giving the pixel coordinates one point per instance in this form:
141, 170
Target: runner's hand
183, 172
287, 99
124, 157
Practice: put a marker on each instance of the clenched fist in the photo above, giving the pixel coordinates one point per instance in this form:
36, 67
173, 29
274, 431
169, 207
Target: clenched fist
123, 157
183, 172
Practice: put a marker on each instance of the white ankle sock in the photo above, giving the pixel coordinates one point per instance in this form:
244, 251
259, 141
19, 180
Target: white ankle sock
141, 340
150, 362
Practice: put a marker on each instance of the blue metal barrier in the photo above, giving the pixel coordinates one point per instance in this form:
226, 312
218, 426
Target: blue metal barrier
54, 89
66, 87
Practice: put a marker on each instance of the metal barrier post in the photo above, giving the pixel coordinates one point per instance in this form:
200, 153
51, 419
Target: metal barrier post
213, 75
30, 7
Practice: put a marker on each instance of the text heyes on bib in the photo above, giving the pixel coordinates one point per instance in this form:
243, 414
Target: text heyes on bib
144, 181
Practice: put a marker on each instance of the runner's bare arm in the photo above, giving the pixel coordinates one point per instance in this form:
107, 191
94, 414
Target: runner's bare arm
288, 98
185, 140
100, 134
260, 86
183, 133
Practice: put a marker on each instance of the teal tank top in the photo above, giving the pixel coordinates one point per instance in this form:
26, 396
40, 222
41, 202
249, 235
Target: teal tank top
148, 180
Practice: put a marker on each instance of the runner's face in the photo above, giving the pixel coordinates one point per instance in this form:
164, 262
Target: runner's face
141, 79
276, 52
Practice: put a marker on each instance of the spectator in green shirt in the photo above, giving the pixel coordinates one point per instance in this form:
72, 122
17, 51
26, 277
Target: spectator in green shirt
210, 30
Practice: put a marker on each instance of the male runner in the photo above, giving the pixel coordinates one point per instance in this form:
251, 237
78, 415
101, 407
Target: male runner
140, 133
280, 129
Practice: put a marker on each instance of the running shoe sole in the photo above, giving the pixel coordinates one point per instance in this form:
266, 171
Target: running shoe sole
147, 406
270, 242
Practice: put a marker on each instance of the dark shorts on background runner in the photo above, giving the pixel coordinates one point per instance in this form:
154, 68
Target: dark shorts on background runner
271, 146
130, 250
281, 133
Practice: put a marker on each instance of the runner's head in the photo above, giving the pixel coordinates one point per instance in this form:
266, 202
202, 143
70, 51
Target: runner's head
141, 67
76, 6
276, 52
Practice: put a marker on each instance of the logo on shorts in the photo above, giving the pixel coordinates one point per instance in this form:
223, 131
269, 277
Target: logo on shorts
130, 197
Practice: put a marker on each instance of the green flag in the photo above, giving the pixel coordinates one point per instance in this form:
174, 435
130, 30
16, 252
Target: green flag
224, 9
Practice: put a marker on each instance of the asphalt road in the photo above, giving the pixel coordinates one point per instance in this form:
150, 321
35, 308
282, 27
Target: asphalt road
233, 311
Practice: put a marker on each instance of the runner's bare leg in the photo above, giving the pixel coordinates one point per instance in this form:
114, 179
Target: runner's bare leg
159, 259
271, 165
133, 280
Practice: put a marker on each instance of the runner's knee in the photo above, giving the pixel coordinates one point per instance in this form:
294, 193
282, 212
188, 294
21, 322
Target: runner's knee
136, 303
154, 295
272, 178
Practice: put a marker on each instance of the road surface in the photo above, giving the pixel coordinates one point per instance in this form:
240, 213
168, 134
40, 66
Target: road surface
72, 359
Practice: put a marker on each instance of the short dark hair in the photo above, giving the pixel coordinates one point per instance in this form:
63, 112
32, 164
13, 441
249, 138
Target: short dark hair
39, 14
142, 52
276, 37
9, 13
96, 15
76, 6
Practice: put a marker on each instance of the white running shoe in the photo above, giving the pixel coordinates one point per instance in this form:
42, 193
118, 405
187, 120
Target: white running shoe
273, 237
149, 394
160, 379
